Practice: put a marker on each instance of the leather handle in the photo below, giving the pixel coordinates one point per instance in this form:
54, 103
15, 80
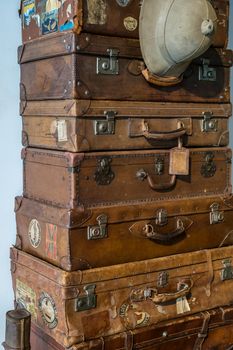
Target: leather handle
166, 297
160, 81
142, 175
164, 136
149, 232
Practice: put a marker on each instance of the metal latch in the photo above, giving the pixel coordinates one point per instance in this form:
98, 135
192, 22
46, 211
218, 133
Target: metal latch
227, 272
108, 65
208, 169
162, 279
216, 216
107, 126
88, 301
207, 73
209, 124
100, 231
159, 166
161, 217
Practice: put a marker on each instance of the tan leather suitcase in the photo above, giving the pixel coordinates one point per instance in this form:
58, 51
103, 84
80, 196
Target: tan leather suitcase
73, 307
209, 330
83, 239
106, 17
93, 67
78, 125
71, 180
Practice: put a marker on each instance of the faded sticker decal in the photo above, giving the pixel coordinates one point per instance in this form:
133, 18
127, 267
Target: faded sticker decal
51, 241
62, 131
48, 310
130, 23
34, 233
132, 316
123, 3
29, 9
49, 22
26, 297
69, 23
96, 10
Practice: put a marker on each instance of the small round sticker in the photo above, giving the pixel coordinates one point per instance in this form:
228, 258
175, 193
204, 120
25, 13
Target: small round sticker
48, 310
123, 3
34, 233
130, 23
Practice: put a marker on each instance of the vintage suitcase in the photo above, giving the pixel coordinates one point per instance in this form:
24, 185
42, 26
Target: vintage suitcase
106, 17
78, 125
93, 67
82, 239
70, 180
73, 307
209, 330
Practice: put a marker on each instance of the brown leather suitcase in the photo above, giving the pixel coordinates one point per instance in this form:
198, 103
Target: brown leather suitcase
71, 180
209, 330
78, 125
89, 67
73, 307
106, 17
89, 238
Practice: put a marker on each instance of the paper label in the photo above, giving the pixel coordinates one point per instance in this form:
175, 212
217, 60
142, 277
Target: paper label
51, 241
179, 161
29, 9
182, 305
62, 131
48, 310
49, 22
130, 23
34, 233
26, 297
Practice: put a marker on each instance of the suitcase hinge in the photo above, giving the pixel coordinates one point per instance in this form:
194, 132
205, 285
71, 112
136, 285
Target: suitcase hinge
227, 272
205, 72
108, 65
88, 301
209, 124
216, 216
100, 231
106, 126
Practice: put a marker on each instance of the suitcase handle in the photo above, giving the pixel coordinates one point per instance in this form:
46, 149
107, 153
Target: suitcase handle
161, 81
149, 232
163, 136
142, 175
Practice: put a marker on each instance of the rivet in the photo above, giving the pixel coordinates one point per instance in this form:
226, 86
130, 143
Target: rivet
86, 92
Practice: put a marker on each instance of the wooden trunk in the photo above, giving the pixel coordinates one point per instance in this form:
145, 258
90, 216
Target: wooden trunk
73, 307
210, 330
71, 180
79, 126
106, 17
93, 67
84, 239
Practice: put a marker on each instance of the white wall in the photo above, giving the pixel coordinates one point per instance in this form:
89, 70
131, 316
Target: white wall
10, 136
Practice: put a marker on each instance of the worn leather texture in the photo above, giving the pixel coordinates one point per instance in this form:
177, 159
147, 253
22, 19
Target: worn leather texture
132, 233
105, 17
75, 306
68, 70
78, 126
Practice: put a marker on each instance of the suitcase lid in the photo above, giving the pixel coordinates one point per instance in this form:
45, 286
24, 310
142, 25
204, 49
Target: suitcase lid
84, 217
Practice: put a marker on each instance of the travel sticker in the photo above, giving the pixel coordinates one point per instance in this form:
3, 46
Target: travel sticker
123, 3
69, 23
34, 233
51, 241
130, 23
132, 316
49, 22
26, 297
48, 310
29, 9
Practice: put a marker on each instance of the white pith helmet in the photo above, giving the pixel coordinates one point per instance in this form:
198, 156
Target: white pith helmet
174, 32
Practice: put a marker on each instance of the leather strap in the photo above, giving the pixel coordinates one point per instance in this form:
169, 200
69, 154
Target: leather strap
203, 334
128, 341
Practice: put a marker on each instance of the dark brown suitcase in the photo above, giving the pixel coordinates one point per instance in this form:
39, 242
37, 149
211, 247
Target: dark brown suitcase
73, 307
78, 125
209, 330
71, 180
83, 239
106, 17
109, 68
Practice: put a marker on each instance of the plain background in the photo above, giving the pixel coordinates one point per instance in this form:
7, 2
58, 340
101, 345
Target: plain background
10, 144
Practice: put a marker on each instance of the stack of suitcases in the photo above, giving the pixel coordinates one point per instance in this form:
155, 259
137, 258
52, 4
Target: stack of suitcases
125, 230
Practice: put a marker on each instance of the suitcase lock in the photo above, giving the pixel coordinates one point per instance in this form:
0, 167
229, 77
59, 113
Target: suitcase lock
216, 216
209, 124
108, 65
106, 126
227, 272
205, 72
88, 301
100, 231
